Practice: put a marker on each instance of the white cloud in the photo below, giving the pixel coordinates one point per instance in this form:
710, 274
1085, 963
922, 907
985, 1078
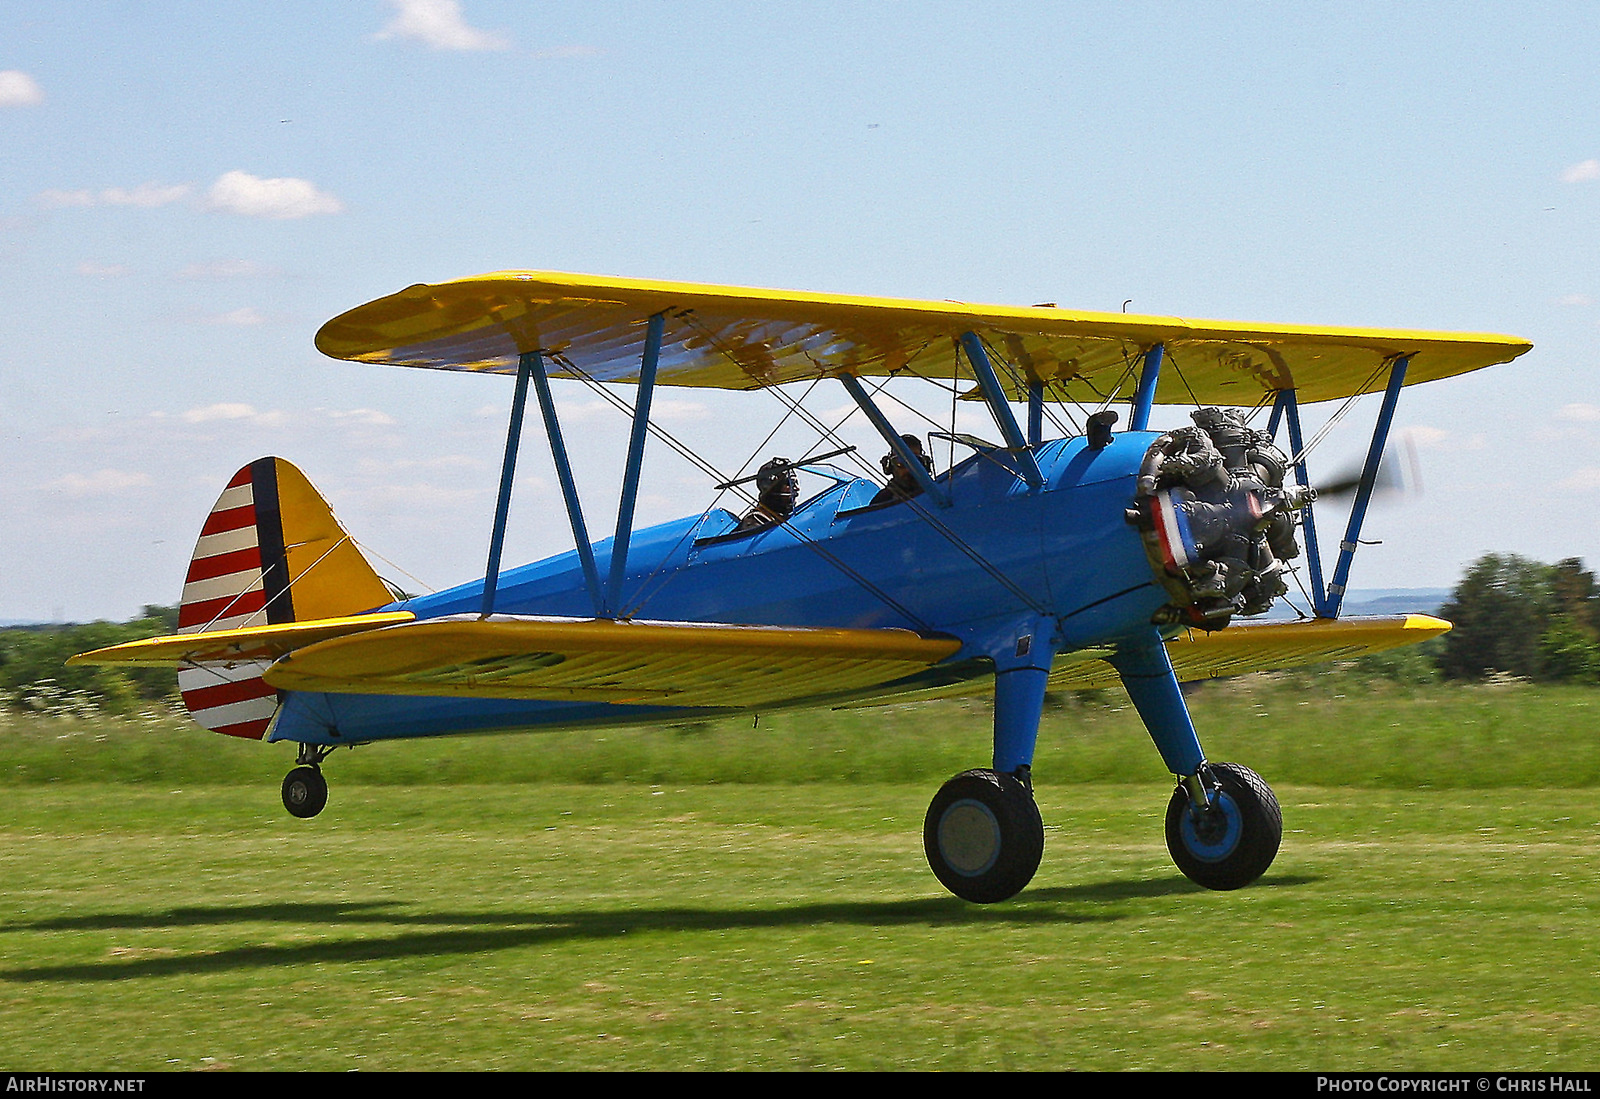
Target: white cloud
54, 200
18, 89
450, 464
238, 412
422, 494
675, 410
1579, 413
100, 483
1423, 436
438, 23
219, 412
245, 316
1586, 479
146, 195
369, 416
1582, 172
224, 269
561, 52
280, 199
102, 270
578, 412
1575, 299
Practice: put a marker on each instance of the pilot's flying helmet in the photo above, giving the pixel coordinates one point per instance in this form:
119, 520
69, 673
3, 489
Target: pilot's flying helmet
891, 461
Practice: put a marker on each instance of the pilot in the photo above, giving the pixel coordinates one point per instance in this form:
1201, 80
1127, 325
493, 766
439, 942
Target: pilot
903, 484
777, 490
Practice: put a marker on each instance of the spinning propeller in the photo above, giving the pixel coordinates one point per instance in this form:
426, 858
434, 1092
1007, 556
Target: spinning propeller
1399, 474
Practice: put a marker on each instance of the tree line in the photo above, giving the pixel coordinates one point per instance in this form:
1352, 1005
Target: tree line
34, 675
1513, 617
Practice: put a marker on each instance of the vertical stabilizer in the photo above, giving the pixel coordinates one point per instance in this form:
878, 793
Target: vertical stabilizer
271, 551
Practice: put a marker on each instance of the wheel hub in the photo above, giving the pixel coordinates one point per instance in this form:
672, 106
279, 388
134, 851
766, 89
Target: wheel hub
1210, 825
969, 837
1211, 834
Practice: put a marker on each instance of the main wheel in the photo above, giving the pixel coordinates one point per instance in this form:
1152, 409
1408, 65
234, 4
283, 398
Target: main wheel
1232, 843
983, 836
305, 792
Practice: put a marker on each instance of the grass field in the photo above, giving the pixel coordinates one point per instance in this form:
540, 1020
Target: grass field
1430, 909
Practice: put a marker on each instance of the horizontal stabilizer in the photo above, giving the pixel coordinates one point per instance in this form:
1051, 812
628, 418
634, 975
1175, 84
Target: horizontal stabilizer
650, 663
233, 646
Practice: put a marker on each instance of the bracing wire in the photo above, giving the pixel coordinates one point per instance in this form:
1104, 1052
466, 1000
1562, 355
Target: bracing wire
1127, 372
922, 511
223, 613
1344, 407
1267, 397
720, 477
1172, 360
364, 548
1019, 379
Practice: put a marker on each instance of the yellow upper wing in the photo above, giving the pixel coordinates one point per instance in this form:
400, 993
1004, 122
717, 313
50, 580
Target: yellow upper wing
742, 338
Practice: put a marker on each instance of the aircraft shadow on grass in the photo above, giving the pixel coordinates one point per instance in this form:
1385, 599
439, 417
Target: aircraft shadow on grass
483, 932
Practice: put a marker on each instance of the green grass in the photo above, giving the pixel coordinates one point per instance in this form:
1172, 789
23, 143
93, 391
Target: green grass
1337, 730
783, 927
756, 897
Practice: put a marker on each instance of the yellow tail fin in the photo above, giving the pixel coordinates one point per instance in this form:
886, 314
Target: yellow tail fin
270, 552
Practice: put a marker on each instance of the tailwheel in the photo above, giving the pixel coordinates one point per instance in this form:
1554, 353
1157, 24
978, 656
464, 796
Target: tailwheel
305, 791
983, 836
1231, 842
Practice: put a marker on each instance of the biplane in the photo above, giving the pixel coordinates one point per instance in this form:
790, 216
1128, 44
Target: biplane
1074, 552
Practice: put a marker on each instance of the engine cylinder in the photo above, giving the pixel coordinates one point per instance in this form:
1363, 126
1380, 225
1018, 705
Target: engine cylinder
1216, 520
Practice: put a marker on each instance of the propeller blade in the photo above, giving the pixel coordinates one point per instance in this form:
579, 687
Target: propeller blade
1398, 474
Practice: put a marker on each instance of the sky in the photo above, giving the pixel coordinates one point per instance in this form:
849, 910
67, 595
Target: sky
188, 190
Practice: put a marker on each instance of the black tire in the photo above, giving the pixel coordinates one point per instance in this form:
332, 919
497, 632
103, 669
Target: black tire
983, 836
1233, 843
305, 792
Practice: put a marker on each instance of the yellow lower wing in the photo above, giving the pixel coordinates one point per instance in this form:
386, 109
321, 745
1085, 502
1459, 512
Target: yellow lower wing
1265, 646
695, 664
1242, 648
663, 663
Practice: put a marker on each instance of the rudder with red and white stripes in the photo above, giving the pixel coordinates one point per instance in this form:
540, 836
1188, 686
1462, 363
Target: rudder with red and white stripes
269, 543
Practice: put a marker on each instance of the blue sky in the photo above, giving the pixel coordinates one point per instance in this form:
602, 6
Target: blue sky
188, 190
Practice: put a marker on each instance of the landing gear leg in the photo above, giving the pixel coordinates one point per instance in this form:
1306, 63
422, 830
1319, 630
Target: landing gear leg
305, 791
983, 834
1223, 822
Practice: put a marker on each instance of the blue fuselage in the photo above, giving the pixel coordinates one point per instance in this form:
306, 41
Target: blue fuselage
1002, 561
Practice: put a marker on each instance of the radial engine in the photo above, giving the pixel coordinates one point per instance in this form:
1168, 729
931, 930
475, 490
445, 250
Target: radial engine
1216, 519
